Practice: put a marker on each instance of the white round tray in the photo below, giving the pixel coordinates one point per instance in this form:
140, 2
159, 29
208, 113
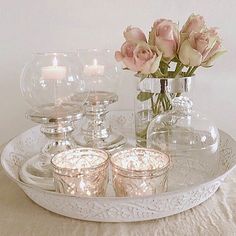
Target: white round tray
190, 182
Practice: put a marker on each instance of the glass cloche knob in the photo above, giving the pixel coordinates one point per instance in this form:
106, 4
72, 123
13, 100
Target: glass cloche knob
184, 133
182, 104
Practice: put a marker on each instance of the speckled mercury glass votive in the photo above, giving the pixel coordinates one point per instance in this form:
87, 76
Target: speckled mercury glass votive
139, 172
81, 172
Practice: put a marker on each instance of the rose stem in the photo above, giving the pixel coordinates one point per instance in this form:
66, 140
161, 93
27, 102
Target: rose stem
188, 71
177, 70
193, 70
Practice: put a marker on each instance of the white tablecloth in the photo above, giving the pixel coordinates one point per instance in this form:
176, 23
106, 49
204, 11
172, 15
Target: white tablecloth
20, 216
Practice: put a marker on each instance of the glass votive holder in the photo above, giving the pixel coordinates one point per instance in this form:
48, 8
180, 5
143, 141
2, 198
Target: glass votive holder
81, 172
139, 172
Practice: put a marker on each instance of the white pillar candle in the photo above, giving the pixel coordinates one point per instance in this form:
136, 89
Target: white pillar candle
53, 72
94, 69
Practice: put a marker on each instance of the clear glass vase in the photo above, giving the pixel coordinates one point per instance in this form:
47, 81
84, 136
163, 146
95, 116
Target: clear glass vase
154, 96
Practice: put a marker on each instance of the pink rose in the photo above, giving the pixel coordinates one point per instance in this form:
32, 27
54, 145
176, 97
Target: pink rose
195, 23
134, 34
165, 35
201, 48
139, 57
126, 54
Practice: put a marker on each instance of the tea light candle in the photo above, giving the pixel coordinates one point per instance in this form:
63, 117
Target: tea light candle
93, 70
53, 72
139, 172
81, 172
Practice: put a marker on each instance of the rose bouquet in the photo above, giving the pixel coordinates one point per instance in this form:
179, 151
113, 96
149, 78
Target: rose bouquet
168, 53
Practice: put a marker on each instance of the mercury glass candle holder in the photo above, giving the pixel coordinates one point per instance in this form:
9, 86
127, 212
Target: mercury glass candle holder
139, 172
81, 172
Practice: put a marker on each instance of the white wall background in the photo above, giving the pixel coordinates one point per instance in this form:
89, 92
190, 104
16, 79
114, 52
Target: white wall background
28, 26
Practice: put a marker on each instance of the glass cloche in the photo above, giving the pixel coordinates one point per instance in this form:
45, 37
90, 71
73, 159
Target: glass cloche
184, 133
49, 81
100, 69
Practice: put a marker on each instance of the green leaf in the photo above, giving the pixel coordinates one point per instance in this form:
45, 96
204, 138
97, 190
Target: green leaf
144, 96
171, 74
164, 67
142, 76
158, 74
175, 59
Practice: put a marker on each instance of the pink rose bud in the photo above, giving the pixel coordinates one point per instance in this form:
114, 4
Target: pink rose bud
147, 59
200, 48
139, 57
127, 55
195, 23
165, 35
134, 34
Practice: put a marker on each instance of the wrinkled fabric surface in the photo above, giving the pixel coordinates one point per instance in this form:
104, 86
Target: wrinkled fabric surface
20, 216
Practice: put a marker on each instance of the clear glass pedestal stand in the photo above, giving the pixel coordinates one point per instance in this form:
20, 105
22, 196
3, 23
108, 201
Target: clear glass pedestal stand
95, 130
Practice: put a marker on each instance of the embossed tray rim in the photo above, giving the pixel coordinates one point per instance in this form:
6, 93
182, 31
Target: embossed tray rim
19, 182
29, 189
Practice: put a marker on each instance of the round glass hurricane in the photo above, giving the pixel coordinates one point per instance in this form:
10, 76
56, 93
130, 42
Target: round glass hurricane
154, 96
101, 73
48, 83
139, 172
81, 172
185, 134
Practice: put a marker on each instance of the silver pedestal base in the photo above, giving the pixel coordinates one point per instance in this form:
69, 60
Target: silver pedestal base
57, 126
95, 130
112, 142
